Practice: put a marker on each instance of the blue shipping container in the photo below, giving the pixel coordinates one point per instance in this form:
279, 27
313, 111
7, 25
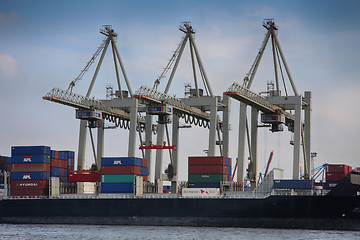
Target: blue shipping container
143, 171
204, 185
30, 159
55, 172
121, 161
7, 160
30, 150
293, 184
117, 187
19, 176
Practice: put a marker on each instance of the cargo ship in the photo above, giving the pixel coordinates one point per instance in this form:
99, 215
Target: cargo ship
41, 186
275, 203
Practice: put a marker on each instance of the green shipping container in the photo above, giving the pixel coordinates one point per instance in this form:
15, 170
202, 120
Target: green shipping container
206, 178
123, 178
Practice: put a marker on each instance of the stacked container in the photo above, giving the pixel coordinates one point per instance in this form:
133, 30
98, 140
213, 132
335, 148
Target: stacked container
5, 163
208, 172
335, 173
62, 162
30, 171
118, 174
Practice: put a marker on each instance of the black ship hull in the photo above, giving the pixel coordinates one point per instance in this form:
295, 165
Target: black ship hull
305, 212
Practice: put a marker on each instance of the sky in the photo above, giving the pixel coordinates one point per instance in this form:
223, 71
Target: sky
45, 44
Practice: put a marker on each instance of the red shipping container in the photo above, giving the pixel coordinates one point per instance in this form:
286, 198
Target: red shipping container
212, 169
34, 184
56, 154
334, 176
62, 179
55, 162
63, 172
336, 168
349, 169
2, 158
64, 163
72, 162
30, 167
145, 178
219, 161
145, 162
29, 192
120, 170
82, 177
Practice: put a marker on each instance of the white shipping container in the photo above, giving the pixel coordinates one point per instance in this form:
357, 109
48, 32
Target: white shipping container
55, 186
201, 192
86, 187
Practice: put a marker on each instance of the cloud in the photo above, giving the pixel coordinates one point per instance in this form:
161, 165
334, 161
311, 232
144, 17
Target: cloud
12, 15
8, 65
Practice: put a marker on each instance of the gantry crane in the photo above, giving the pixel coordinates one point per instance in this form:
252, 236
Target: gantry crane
194, 110
275, 110
123, 110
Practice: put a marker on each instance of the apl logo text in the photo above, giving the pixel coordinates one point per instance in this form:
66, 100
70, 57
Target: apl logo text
27, 158
26, 177
117, 162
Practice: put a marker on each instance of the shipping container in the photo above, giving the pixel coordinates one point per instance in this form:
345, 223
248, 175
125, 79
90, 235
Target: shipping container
86, 187
117, 187
83, 177
207, 169
29, 192
145, 163
120, 170
293, 184
337, 168
34, 184
7, 160
119, 178
30, 150
30, 159
121, 161
29, 167
55, 172
143, 171
145, 178
334, 176
18, 176
206, 178
204, 185
56, 163
202, 161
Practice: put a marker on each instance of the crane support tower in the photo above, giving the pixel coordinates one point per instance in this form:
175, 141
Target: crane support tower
198, 109
275, 110
121, 110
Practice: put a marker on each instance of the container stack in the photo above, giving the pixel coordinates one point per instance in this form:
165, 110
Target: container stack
335, 173
62, 162
30, 170
5, 163
118, 174
208, 172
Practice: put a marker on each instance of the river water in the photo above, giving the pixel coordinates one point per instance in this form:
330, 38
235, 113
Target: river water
72, 232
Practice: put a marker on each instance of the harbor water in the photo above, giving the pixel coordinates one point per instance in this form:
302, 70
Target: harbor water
29, 231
